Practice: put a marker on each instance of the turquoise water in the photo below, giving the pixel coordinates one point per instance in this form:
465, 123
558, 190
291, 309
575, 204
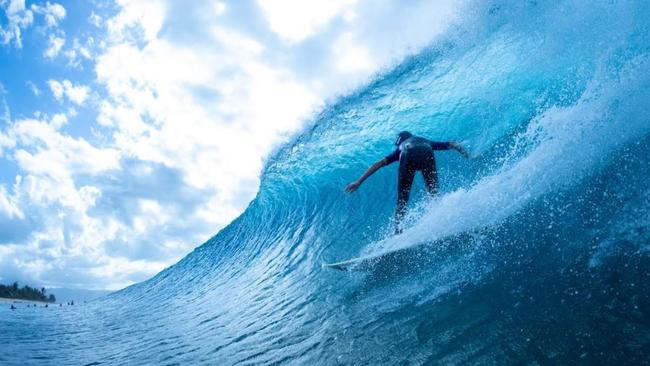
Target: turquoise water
536, 252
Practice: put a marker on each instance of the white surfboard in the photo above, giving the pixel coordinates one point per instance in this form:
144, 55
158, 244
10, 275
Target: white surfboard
395, 256
360, 263
344, 265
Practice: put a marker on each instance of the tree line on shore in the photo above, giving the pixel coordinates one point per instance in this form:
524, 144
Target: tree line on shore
25, 293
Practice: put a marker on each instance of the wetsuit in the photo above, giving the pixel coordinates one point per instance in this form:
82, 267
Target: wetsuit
414, 153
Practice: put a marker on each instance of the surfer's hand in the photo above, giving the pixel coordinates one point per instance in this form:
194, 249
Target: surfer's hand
458, 147
352, 187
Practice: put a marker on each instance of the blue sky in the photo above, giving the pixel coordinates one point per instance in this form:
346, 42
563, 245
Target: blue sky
131, 131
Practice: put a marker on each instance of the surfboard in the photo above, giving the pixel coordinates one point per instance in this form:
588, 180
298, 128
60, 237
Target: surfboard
387, 260
400, 257
344, 265
360, 263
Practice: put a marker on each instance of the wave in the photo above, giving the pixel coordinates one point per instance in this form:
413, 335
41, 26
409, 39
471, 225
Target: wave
534, 252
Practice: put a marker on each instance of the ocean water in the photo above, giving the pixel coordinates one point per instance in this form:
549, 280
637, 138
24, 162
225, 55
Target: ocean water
535, 252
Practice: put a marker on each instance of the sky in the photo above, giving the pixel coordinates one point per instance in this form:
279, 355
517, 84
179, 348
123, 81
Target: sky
131, 131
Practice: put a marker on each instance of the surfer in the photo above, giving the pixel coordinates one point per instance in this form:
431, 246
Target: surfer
414, 154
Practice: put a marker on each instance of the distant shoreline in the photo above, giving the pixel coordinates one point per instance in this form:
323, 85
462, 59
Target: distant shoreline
23, 301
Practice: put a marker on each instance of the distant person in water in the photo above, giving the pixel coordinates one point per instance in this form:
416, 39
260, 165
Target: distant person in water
414, 154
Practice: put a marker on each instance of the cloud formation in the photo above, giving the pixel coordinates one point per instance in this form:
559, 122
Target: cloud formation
296, 20
52, 12
55, 45
19, 18
65, 89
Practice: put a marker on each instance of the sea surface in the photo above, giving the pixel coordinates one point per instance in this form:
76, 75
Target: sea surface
536, 252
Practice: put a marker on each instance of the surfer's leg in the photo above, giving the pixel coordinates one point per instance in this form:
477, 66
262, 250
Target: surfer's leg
430, 176
404, 182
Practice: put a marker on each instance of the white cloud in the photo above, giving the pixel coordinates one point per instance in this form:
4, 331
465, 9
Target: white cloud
79, 52
95, 19
54, 47
92, 232
349, 56
6, 142
18, 18
65, 229
296, 20
219, 8
46, 151
52, 12
57, 89
8, 207
37, 92
16, 6
75, 93
146, 16
189, 133
59, 120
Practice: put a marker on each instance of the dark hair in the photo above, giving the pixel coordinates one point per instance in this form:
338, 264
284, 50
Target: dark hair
402, 136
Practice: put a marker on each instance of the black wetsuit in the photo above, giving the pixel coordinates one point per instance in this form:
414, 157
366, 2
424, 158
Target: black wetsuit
414, 153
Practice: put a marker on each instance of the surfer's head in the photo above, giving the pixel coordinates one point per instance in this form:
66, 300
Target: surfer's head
402, 136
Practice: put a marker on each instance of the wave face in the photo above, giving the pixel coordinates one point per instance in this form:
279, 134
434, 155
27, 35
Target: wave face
535, 252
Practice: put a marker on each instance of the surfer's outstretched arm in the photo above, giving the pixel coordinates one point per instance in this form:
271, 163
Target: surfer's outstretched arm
373, 168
